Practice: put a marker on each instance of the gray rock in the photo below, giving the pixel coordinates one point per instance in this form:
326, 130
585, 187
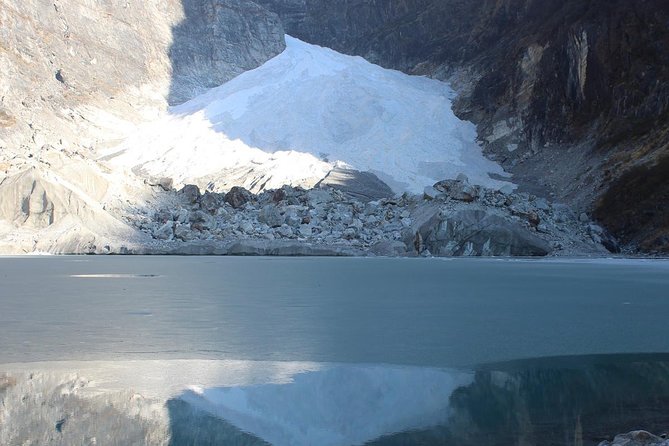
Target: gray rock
211, 202
165, 232
563, 213
462, 191
430, 193
164, 183
595, 229
319, 196
279, 195
238, 197
372, 220
305, 231
183, 233
636, 438
285, 231
163, 216
246, 227
350, 233
287, 248
202, 221
542, 204
477, 232
183, 216
507, 189
389, 248
242, 35
189, 194
292, 218
271, 216
364, 186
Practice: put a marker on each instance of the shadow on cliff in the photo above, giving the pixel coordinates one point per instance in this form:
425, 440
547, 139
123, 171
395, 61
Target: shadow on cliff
218, 40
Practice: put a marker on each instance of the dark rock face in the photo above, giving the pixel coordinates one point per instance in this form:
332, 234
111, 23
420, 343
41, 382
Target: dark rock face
238, 197
645, 187
218, 40
568, 95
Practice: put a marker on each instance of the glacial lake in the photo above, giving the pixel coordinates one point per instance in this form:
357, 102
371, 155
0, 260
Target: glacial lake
339, 351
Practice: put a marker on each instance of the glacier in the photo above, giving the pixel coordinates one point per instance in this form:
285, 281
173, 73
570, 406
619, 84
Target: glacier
302, 113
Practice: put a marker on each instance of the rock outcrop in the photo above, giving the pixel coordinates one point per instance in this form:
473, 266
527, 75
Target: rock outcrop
57, 208
480, 233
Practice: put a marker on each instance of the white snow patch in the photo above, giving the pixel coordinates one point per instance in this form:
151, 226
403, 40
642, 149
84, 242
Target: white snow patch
338, 405
292, 119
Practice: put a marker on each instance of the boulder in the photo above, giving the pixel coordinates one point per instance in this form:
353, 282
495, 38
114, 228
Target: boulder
210, 202
271, 216
202, 220
459, 189
237, 197
279, 195
190, 194
165, 232
319, 196
183, 233
430, 193
165, 183
476, 232
364, 186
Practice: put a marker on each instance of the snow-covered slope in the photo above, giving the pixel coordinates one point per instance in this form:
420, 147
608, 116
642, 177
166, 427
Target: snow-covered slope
295, 117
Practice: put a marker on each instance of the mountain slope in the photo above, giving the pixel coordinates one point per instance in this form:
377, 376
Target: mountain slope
570, 96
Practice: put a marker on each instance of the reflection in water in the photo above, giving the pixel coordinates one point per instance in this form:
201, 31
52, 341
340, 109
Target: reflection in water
561, 401
572, 401
558, 401
337, 405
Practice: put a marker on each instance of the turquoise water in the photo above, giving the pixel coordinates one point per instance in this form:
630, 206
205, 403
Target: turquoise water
394, 351
425, 312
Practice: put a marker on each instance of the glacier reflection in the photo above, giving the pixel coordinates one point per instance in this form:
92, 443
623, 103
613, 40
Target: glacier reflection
565, 400
338, 405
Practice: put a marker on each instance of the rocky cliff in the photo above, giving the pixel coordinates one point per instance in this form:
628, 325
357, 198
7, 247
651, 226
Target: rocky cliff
571, 96
77, 75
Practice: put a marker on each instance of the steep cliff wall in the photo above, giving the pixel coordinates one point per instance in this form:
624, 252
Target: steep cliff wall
569, 95
75, 74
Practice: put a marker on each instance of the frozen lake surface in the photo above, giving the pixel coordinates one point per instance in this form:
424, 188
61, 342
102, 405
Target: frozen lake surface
440, 313
333, 351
